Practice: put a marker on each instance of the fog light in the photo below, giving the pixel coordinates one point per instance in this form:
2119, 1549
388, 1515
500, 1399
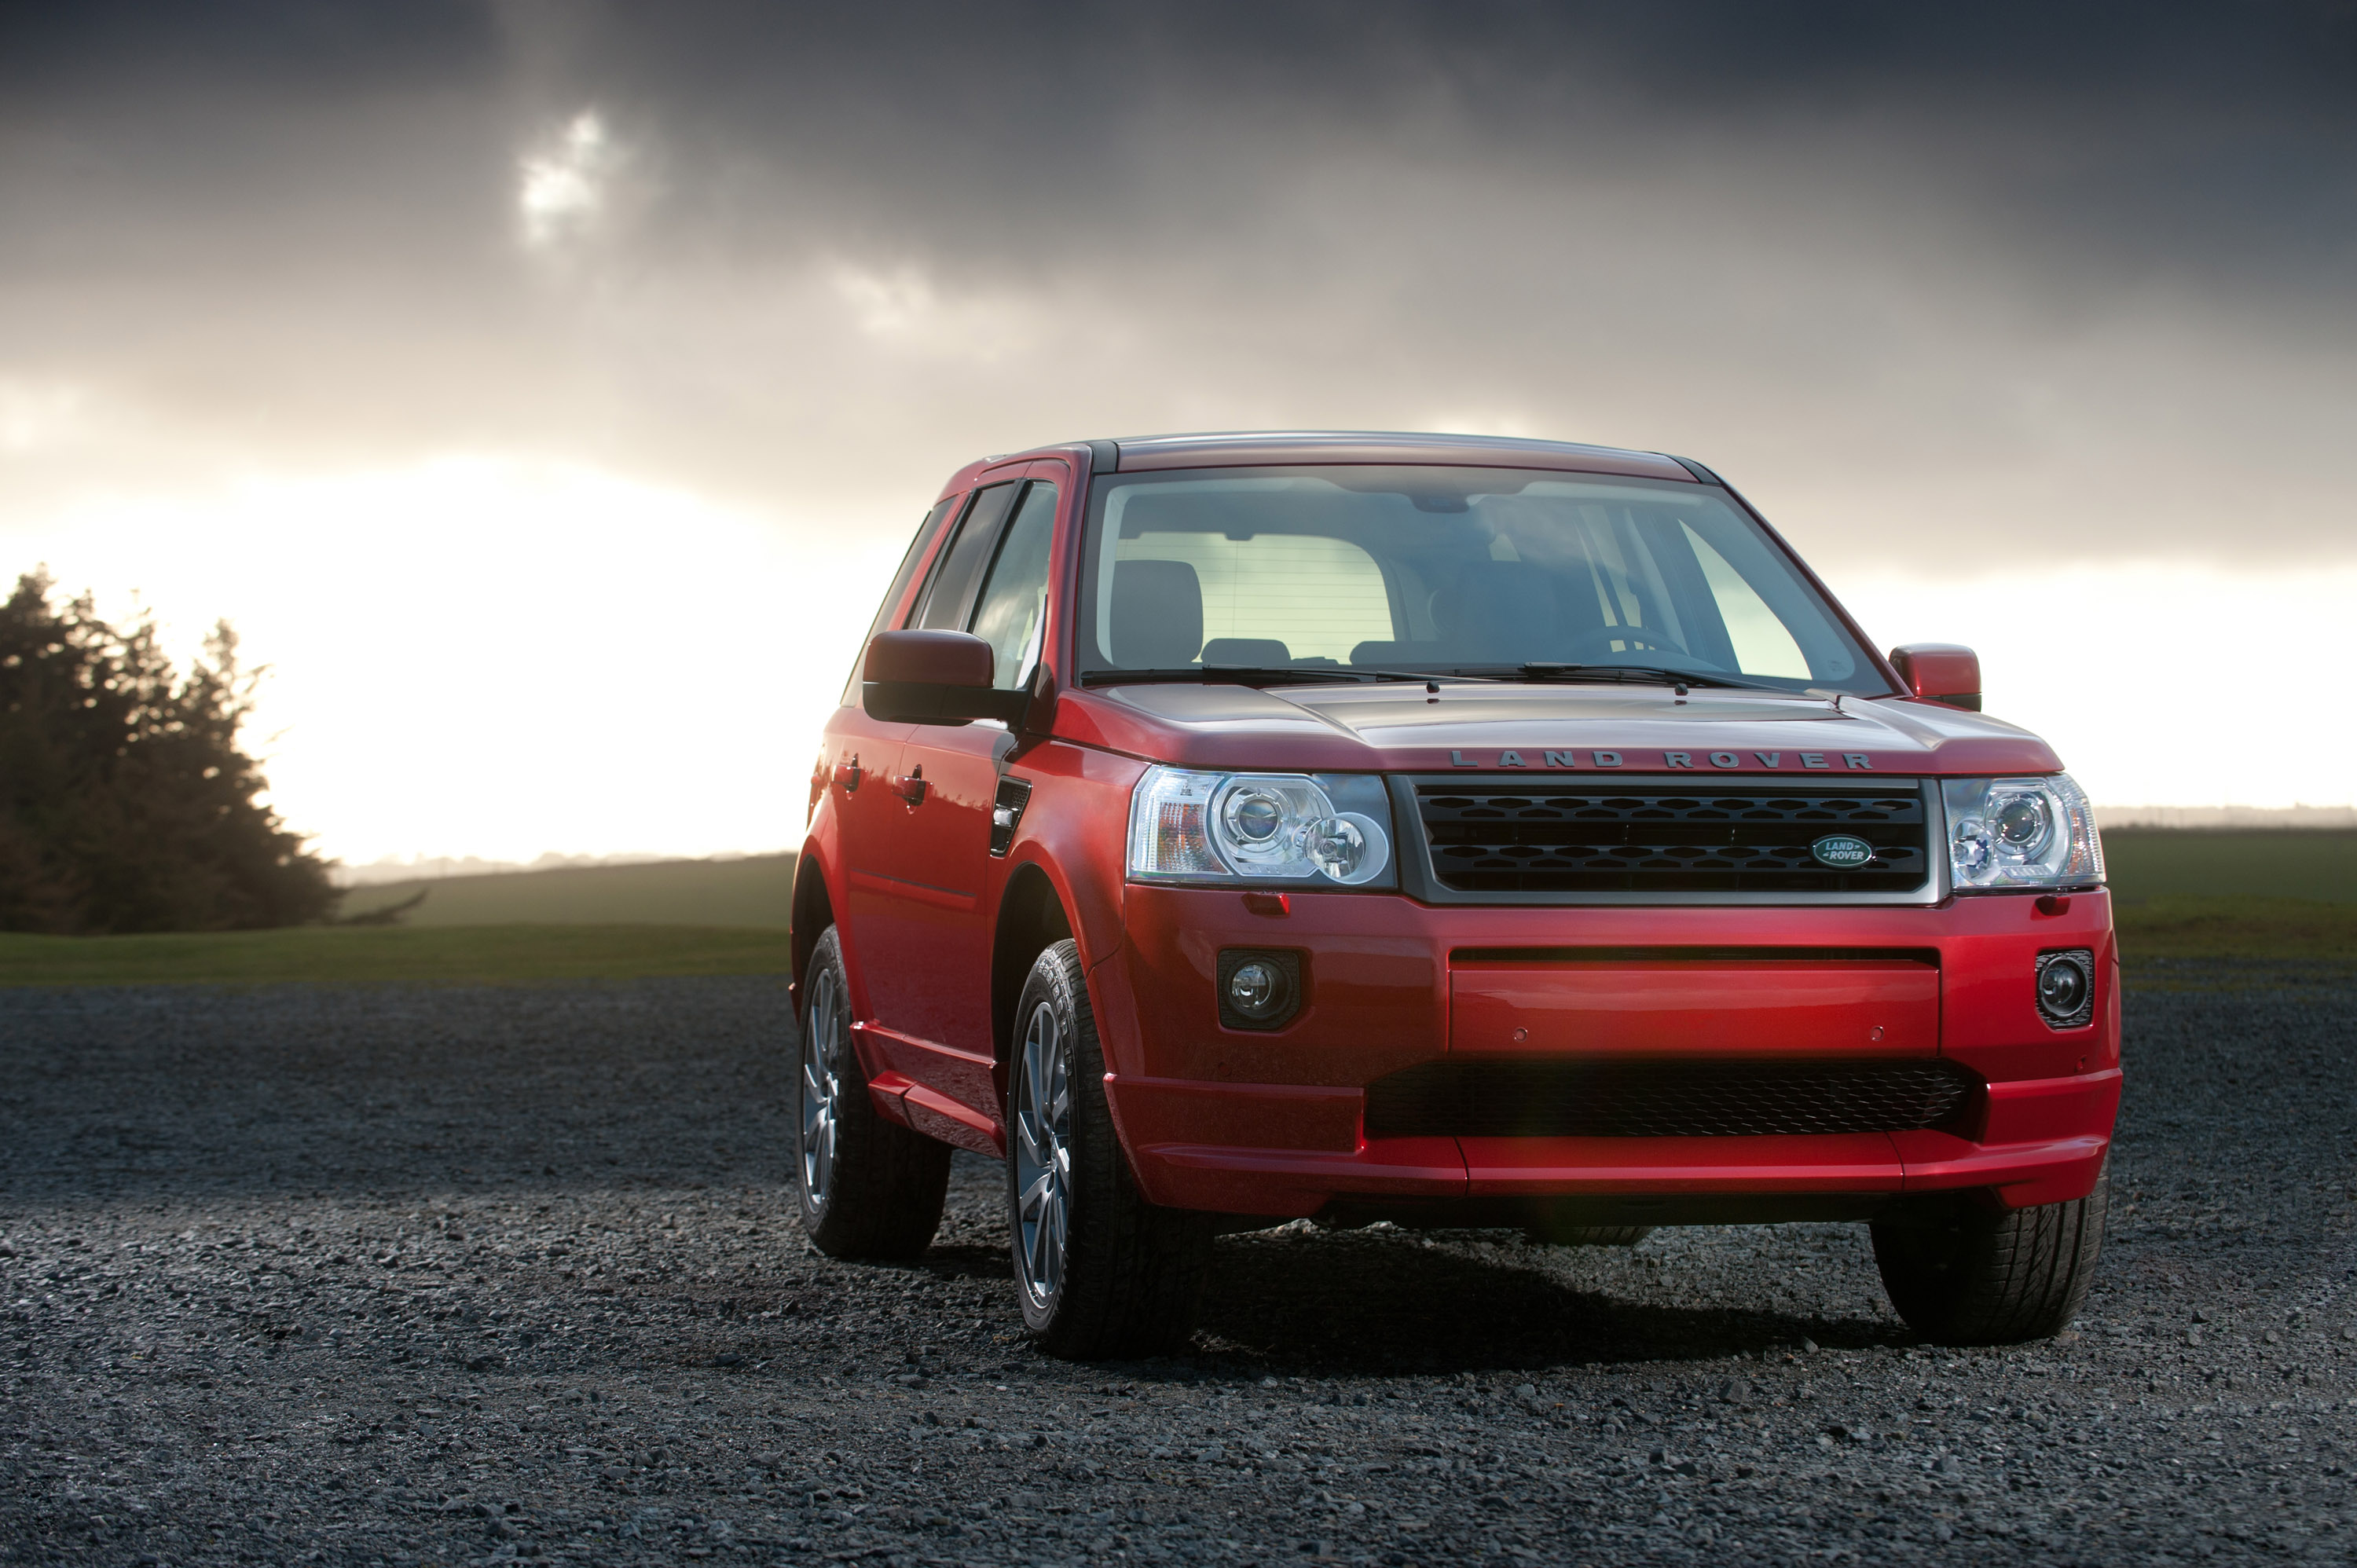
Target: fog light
2066, 988
1259, 989
1256, 988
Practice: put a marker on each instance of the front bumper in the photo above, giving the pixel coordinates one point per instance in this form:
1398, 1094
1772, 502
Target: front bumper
1275, 1124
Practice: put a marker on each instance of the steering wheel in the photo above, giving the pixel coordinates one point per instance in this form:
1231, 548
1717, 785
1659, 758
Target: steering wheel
1594, 644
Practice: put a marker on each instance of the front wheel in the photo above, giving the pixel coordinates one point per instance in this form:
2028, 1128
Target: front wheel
869, 1187
1101, 1272
1974, 1276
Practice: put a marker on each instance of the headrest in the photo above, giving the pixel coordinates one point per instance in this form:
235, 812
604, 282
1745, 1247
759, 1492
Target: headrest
1499, 611
1261, 653
1157, 615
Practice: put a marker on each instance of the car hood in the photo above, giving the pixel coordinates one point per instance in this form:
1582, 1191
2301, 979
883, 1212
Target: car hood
1399, 727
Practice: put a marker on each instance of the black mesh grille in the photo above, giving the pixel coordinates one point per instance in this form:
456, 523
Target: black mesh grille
1685, 1098
1665, 840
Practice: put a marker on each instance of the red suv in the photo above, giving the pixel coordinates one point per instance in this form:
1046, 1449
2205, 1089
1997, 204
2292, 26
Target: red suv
1458, 832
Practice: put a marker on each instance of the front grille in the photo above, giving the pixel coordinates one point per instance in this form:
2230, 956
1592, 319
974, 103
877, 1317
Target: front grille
1685, 1098
1666, 839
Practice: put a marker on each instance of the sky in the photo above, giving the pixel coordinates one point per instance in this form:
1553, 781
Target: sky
546, 390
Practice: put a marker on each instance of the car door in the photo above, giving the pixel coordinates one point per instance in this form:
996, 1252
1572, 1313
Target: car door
858, 753
891, 880
937, 899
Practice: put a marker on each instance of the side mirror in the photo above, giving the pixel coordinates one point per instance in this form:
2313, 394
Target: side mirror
934, 678
1940, 672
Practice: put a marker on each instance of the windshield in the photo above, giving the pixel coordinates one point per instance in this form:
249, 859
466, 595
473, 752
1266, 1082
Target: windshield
1447, 571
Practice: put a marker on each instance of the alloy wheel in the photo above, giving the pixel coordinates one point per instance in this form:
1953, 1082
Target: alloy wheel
825, 1040
1043, 1157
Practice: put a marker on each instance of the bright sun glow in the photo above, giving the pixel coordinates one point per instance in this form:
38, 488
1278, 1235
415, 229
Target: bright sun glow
2158, 685
561, 192
504, 658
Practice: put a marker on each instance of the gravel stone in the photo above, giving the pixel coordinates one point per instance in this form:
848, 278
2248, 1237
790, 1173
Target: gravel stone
415, 1275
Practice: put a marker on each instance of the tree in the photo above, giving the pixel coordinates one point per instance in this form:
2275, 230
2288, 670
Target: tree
125, 804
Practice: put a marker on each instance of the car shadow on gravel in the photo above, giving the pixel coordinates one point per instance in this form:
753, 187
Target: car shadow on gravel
1328, 1303
962, 1263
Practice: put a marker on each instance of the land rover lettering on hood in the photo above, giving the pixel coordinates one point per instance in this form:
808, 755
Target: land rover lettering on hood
1223, 830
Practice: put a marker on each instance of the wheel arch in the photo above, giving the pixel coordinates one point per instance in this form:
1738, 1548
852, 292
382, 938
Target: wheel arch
1031, 918
812, 912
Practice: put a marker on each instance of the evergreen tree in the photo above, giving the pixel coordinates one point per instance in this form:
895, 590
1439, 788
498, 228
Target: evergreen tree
125, 804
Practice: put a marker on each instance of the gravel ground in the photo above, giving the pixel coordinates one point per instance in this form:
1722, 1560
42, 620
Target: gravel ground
419, 1275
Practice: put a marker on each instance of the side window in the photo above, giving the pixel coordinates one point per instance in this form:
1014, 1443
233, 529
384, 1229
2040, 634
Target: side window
926, 531
1013, 607
950, 593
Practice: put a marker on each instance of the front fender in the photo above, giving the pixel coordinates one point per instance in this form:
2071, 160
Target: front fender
1075, 829
816, 897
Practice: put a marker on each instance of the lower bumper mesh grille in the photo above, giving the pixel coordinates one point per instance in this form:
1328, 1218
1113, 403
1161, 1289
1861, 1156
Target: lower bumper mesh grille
1685, 1098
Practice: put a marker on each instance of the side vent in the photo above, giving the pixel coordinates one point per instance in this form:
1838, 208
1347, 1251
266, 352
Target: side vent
1014, 794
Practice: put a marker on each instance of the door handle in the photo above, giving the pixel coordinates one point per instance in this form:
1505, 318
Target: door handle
847, 774
912, 788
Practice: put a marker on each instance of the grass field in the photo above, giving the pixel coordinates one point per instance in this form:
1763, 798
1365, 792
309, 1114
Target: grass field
2181, 926
2153, 863
2266, 898
2261, 897
755, 892
345, 953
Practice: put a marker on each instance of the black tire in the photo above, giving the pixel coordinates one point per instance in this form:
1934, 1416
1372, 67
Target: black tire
1101, 1271
867, 1187
1588, 1235
1991, 1276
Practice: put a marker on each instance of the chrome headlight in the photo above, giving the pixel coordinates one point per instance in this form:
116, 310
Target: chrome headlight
1330, 829
2022, 832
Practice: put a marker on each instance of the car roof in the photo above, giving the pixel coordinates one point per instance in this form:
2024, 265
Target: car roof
1221, 449
1253, 448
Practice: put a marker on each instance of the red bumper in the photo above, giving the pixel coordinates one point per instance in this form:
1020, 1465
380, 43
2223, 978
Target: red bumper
1274, 1122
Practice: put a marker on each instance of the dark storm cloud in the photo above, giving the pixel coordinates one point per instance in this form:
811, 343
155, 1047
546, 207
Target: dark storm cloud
2200, 135
2010, 255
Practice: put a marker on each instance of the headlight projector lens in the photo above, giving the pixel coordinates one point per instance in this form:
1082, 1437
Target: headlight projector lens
1253, 816
1259, 989
2066, 988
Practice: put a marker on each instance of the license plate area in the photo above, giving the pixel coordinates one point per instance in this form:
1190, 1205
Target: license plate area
1625, 1003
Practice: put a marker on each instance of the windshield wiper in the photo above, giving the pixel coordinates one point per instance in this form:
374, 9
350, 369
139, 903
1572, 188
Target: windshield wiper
1620, 672
1270, 674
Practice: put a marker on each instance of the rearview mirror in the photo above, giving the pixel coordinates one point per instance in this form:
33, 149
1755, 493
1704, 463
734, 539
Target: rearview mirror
934, 678
1940, 672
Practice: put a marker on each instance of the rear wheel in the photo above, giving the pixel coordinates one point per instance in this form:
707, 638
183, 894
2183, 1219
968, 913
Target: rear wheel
869, 1187
1989, 1276
1101, 1272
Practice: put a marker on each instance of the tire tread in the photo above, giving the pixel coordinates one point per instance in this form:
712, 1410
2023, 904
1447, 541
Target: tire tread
2000, 1277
